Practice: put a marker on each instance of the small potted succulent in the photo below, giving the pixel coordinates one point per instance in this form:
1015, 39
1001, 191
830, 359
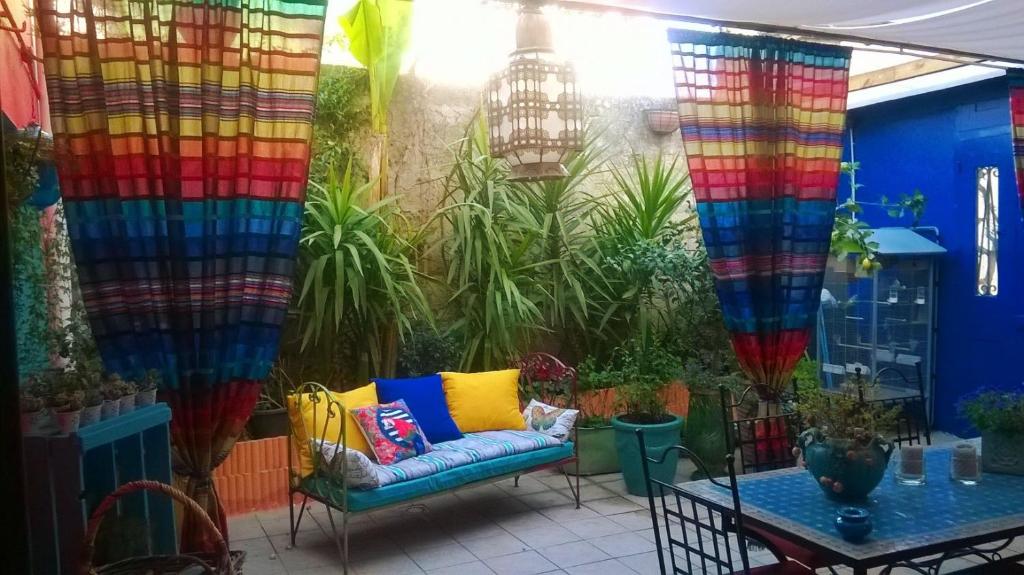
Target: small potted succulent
67, 409
999, 416
843, 448
127, 401
112, 390
33, 418
92, 406
146, 395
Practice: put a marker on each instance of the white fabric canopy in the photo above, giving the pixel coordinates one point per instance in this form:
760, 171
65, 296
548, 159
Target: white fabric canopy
993, 28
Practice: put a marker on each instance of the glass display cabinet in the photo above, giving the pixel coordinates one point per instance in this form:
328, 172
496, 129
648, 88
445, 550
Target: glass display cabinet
881, 322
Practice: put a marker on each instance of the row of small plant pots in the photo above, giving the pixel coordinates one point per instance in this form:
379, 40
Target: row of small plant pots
62, 401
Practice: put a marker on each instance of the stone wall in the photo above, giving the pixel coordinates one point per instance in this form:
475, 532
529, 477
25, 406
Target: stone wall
428, 120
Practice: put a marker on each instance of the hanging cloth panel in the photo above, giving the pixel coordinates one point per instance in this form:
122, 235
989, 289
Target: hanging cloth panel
182, 135
762, 121
1016, 79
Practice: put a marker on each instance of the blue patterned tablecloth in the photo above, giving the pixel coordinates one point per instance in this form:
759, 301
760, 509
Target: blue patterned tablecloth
905, 517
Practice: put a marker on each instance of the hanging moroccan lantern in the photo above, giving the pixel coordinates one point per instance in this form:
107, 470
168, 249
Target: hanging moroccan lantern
534, 110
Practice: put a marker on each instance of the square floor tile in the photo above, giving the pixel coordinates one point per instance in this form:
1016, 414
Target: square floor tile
613, 506
609, 567
573, 553
526, 563
474, 568
545, 536
524, 521
242, 527
545, 499
622, 544
435, 557
633, 520
495, 545
564, 513
594, 527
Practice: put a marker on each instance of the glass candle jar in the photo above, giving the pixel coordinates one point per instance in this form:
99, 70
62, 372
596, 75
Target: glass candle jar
910, 470
964, 464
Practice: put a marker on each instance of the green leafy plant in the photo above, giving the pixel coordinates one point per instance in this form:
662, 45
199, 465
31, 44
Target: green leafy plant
639, 243
378, 32
850, 235
342, 114
355, 271
427, 350
489, 250
845, 416
914, 204
1000, 411
639, 371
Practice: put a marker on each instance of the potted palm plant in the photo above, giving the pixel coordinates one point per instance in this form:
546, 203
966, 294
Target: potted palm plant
643, 371
999, 416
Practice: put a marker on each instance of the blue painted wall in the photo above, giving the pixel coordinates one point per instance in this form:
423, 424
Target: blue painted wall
935, 142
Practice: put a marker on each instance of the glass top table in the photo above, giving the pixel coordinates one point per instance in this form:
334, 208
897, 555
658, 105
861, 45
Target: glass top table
909, 521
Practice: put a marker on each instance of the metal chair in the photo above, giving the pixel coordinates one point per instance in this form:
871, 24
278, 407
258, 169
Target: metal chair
912, 425
703, 537
764, 442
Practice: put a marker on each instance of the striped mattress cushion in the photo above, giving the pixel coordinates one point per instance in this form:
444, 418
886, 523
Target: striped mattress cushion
362, 473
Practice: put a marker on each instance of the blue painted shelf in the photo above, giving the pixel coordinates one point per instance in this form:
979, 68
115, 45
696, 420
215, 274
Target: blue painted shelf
68, 475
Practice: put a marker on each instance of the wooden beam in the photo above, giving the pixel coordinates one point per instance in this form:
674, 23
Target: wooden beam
905, 71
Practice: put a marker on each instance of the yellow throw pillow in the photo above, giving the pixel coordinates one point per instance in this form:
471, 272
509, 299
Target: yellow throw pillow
486, 401
315, 414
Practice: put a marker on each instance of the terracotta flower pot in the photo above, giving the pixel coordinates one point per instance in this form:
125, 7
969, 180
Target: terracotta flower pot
68, 421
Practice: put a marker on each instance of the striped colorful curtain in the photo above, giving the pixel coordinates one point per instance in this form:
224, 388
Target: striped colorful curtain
1016, 79
762, 121
182, 133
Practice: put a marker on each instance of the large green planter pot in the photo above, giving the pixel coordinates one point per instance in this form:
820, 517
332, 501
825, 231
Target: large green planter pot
1001, 452
596, 448
705, 433
658, 437
845, 470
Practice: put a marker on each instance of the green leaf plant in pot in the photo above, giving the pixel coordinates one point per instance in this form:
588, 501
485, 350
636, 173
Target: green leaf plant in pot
270, 416
843, 448
643, 371
999, 416
705, 430
595, 435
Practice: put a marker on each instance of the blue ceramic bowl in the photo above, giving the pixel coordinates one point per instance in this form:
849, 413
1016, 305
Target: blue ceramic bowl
854, 523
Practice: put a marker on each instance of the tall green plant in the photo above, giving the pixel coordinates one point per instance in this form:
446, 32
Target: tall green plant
639, 239
490, 254
378, 32
342, 113
355, 270
570, 276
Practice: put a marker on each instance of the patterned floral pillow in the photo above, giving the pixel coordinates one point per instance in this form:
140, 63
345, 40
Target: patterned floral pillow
391, 431
549, 420
359, 471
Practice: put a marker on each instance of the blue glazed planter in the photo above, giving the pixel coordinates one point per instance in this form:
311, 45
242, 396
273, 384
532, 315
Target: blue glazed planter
845, 470
658, 438
854, 523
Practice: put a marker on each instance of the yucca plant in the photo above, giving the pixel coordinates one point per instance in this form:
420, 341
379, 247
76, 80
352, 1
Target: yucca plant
490, 251
356, 272
570, 276
640, 232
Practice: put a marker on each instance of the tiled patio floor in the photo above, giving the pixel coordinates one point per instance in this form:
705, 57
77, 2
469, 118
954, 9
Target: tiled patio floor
495, 529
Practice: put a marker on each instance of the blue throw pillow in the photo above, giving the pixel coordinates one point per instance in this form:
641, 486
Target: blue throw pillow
425, 398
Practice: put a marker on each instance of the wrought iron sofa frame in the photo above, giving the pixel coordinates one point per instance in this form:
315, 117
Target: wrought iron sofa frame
542, 376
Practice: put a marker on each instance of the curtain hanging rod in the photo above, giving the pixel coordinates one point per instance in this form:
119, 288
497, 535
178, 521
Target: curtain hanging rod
586, 6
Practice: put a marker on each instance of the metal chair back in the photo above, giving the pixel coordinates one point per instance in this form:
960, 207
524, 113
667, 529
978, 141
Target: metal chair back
912, 425
693, 535
764, 442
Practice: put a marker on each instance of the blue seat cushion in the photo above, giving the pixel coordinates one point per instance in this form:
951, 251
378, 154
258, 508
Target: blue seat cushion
361, 500
425, 398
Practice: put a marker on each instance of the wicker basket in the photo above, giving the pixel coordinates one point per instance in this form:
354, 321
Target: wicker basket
662, 121
223, 562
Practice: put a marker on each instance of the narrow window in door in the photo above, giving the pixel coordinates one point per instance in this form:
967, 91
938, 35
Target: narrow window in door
987, 236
